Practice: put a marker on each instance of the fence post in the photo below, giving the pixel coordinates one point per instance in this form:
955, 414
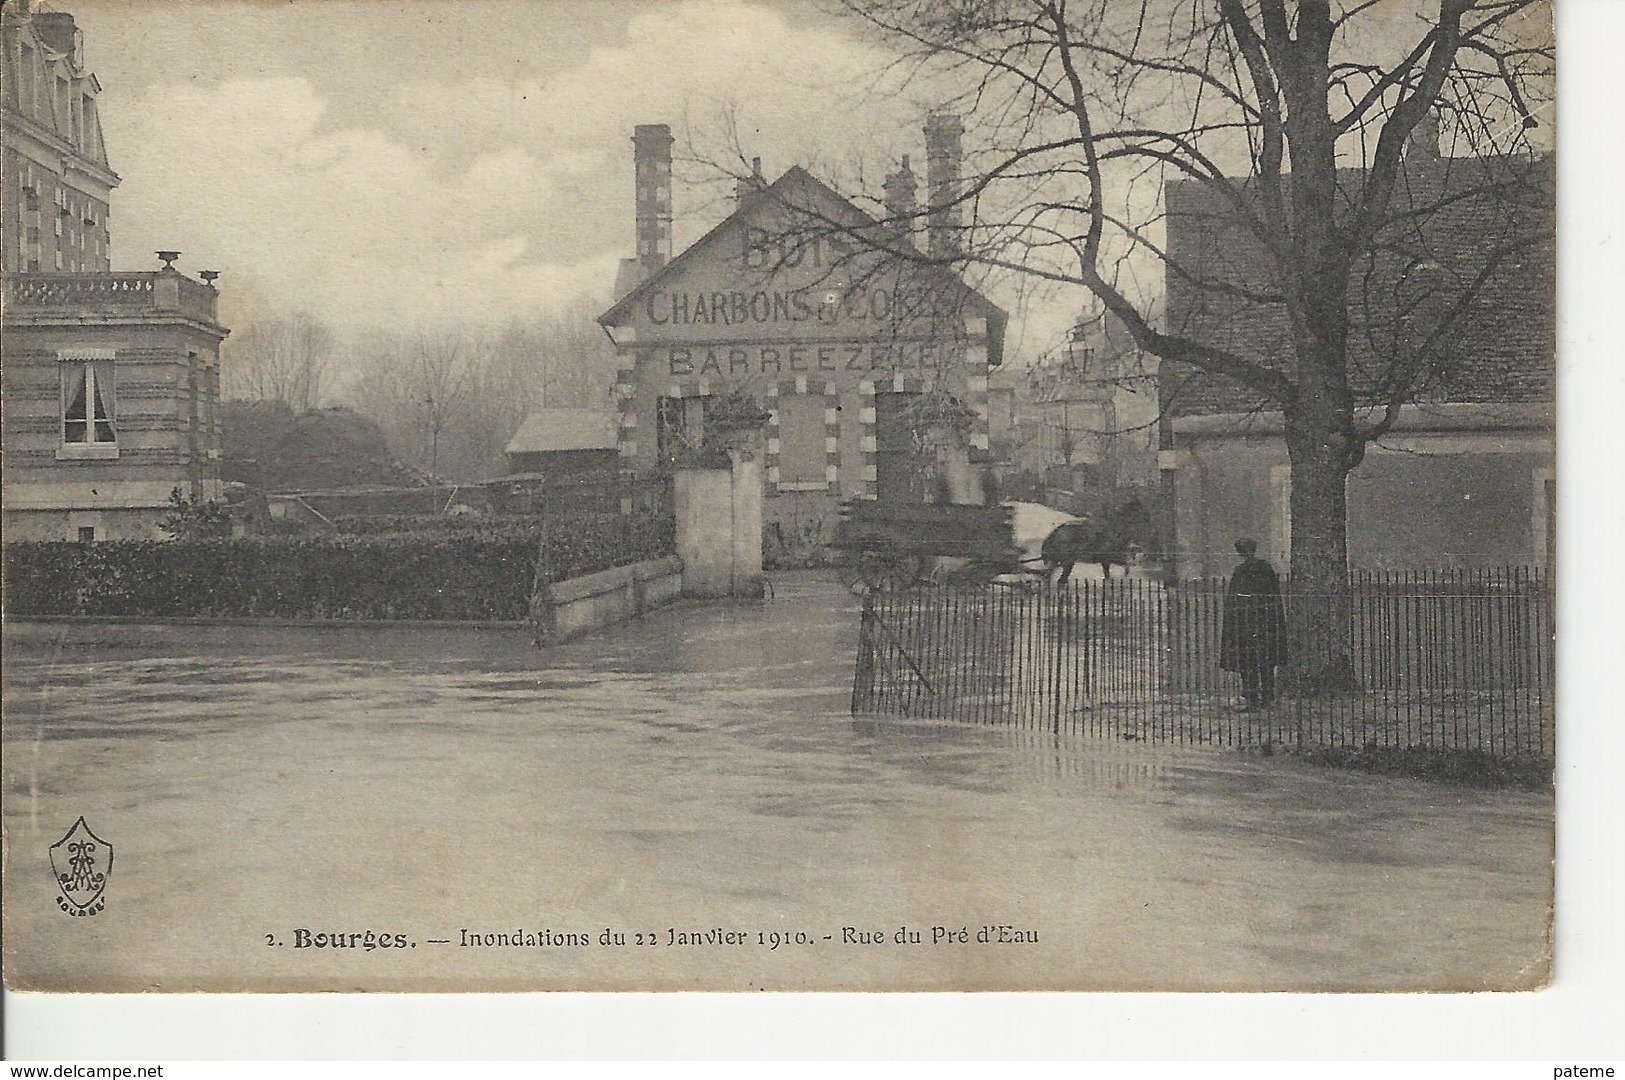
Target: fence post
1058, 628
624, 504
863, 674
542, 615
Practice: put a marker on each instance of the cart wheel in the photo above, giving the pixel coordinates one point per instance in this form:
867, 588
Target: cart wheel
875, 570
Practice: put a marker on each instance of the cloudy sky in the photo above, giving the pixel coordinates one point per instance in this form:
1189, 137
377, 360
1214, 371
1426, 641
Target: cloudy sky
380, 161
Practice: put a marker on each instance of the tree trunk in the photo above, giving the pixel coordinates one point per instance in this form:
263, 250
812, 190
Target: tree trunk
1318, 611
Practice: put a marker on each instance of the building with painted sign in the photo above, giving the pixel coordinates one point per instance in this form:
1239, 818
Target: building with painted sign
843, 329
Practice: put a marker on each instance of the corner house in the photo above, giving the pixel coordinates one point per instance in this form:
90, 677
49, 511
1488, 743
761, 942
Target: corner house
802, 301
1465, 476
112, 379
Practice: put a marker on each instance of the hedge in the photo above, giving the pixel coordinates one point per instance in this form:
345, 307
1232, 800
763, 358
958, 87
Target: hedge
477, 573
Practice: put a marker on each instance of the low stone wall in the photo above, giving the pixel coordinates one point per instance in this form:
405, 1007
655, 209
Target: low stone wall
568, 609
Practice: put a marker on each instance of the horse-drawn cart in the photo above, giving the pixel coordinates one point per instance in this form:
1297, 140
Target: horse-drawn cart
899, 544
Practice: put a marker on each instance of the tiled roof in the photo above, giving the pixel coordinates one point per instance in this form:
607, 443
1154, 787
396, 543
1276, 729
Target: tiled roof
1455, 217
564, 429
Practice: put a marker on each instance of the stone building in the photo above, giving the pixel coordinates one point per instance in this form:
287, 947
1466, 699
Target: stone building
1465, 477
56, 176
842, 328
1095, 404
111, 380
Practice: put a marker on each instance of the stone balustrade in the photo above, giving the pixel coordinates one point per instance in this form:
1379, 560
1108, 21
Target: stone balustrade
160, 291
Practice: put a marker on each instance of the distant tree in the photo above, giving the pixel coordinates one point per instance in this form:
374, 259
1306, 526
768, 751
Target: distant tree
278, 359
418, 384
558, 360
553, 361
450, 398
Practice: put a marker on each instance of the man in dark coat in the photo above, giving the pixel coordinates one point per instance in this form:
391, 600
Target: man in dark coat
1253, 641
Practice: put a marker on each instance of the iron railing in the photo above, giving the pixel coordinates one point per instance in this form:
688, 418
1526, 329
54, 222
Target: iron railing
1447, 660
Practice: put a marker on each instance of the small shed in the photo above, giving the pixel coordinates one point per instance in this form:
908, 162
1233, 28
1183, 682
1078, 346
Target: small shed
560, 459
565, 443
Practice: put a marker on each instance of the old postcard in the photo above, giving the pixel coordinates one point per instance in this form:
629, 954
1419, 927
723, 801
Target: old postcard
744, 495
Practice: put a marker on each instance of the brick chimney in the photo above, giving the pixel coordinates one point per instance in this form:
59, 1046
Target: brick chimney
651, 156
901, 194
942, 154
748, 188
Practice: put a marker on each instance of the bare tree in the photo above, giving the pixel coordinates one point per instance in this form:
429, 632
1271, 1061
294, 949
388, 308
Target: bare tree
450, 398
417, 384
558, 361
1281, 125
282, 359
554, 361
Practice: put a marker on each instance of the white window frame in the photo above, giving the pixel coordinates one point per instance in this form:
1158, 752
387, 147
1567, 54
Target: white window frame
91, 365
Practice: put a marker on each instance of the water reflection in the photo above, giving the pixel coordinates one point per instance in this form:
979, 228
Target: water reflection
703, 764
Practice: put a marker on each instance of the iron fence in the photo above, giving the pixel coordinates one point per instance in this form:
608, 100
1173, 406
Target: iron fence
1446, 660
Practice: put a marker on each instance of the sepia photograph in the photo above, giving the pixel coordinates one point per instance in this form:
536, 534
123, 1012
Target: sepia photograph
779, 495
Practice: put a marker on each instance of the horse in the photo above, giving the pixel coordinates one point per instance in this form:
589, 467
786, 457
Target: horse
1079, 541
1051, 541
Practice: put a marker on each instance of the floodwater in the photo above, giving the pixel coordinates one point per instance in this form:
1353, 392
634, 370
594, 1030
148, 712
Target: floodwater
696, 778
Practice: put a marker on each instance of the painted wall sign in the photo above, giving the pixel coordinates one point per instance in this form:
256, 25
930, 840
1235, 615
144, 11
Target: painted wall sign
784, 357
831, 305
